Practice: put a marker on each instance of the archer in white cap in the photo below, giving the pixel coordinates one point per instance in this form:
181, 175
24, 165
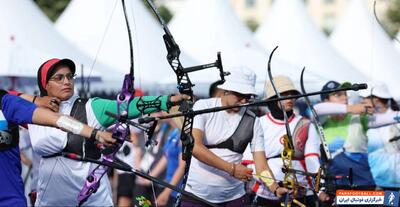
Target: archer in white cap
379, 96
221, 138
383, 146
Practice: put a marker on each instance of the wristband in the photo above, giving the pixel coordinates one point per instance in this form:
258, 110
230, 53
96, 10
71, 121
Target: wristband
170, 104
93, 135
276, 189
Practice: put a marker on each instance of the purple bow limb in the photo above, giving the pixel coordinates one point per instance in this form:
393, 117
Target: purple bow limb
92, 183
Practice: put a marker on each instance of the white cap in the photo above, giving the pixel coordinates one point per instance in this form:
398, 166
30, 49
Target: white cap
241, 80
377, 89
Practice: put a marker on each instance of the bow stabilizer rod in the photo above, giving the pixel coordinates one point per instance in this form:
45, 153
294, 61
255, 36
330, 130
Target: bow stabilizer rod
353, 87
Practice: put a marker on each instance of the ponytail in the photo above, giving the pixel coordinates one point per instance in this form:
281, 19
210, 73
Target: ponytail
393, 105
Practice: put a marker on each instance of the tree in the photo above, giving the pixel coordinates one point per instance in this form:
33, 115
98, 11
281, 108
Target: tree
393, 15
252, 24
52, 8
165, 13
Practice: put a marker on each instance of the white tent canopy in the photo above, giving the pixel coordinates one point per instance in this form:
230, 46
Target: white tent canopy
205, 27
19, 60
301, 43
28, 38
257, 61
362, 41
98, 27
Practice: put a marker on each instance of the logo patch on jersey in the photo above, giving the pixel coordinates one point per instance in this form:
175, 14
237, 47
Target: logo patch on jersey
300, 136
281, 140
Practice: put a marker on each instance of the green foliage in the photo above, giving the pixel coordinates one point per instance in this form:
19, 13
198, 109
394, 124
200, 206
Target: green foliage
165, 13
252, 24
52, 8
327, 31
393, 15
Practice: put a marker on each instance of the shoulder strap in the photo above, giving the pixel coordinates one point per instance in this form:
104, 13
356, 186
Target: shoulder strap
76, 143
78, 110
242, 136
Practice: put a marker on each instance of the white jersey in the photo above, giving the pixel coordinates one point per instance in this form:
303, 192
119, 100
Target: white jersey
127, 155
274, 130
127, 152
60, 178
208, 182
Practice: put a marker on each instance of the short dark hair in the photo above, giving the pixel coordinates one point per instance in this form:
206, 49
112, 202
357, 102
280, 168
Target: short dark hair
214, 87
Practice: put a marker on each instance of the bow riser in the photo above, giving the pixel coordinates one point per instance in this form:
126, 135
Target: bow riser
120, 132
184, 86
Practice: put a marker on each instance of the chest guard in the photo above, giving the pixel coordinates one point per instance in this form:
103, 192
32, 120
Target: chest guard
300, 136
242, 136
9, 132
78, 144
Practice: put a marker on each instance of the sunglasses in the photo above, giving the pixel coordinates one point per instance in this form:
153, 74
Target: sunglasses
60, 77
240, 96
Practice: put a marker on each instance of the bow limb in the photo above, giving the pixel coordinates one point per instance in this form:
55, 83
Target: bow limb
271, 78
326, 155
290, 180
118, 164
